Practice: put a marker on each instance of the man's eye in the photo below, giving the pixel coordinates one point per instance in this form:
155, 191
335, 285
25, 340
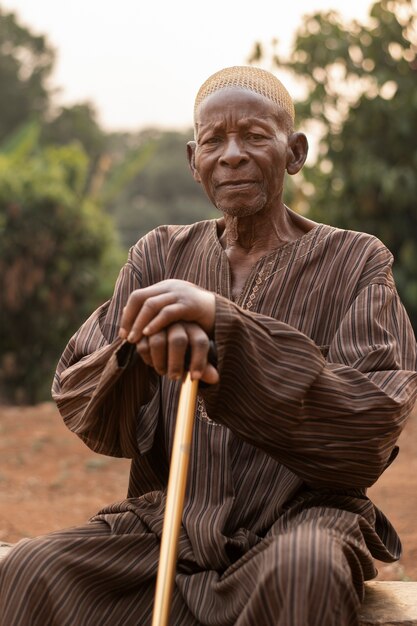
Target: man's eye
255, 137
213, 140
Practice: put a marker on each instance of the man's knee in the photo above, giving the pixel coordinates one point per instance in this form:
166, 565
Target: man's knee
312, 552
309, 566
304, 578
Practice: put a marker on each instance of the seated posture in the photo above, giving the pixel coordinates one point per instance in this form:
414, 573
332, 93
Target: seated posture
315, 376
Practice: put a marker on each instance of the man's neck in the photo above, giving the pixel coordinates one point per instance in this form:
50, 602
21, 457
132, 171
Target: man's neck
260, 233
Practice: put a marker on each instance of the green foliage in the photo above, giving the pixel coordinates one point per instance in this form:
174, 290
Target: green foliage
162, 191
360, 83
21, 143
55, 250
25, 64
77, 123
117, 173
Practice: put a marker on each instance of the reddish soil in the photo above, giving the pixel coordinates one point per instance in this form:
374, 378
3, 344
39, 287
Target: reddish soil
50, 480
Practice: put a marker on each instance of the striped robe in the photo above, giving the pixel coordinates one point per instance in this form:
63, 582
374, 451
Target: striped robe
317, 364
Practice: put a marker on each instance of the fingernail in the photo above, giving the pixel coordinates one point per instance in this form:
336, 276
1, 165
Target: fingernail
122, 333
195, 375
131, 337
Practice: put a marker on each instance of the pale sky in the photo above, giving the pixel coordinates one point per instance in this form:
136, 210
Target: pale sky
142, 62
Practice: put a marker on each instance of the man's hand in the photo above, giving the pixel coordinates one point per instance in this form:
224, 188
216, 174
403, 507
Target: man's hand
165, 319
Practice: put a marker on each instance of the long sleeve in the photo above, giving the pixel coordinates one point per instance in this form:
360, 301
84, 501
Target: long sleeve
102, 391
334, 419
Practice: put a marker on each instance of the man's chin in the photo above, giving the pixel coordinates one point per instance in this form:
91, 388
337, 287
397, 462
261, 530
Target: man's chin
240, 210
240, 204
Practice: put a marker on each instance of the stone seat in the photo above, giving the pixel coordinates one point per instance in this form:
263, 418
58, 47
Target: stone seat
386, 603
4, 548
389, 603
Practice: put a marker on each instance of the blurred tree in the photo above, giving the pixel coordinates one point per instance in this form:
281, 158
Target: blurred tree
58, 260
360, 85
26, 61
76, 123
163, 190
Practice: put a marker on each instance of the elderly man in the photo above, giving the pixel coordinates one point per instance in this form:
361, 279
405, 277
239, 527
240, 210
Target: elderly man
315, 375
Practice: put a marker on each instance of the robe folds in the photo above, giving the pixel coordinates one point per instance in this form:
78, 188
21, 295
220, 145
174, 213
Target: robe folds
317, 364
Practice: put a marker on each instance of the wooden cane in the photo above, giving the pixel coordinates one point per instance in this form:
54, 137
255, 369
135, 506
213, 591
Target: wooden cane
175, 501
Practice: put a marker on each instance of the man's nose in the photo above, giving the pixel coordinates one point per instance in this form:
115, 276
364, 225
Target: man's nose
233, 153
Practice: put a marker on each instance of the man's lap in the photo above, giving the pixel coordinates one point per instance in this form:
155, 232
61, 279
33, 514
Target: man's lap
94, 561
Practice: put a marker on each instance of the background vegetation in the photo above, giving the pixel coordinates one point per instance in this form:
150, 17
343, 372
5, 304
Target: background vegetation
73, 197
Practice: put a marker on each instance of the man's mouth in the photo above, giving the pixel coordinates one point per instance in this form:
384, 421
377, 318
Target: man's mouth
235, 183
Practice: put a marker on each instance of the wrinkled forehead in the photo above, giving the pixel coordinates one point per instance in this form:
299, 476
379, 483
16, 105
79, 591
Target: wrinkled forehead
235, 107
247, 78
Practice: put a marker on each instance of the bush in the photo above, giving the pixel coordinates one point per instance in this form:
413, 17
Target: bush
55, 252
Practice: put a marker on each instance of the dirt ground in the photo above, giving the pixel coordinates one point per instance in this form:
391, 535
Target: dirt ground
50, 480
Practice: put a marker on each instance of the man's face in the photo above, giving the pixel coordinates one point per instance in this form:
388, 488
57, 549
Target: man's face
241, 151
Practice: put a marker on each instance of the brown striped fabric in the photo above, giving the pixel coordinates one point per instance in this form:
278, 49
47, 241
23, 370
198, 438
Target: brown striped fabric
317, 364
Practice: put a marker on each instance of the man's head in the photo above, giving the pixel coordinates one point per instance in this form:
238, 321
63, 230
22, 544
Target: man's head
250, 78
244, 140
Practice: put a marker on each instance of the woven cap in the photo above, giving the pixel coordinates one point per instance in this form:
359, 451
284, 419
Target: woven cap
247, 77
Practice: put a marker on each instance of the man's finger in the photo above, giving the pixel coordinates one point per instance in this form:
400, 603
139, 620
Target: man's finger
177, 347
144, 351
169, 314
199, 346
139, 312
158, 351
210, 375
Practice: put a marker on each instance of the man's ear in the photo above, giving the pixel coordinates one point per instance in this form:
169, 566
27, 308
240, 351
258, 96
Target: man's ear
297, 152
191, 147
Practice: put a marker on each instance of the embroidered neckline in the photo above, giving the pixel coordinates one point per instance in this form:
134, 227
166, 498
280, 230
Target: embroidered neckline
282, 250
